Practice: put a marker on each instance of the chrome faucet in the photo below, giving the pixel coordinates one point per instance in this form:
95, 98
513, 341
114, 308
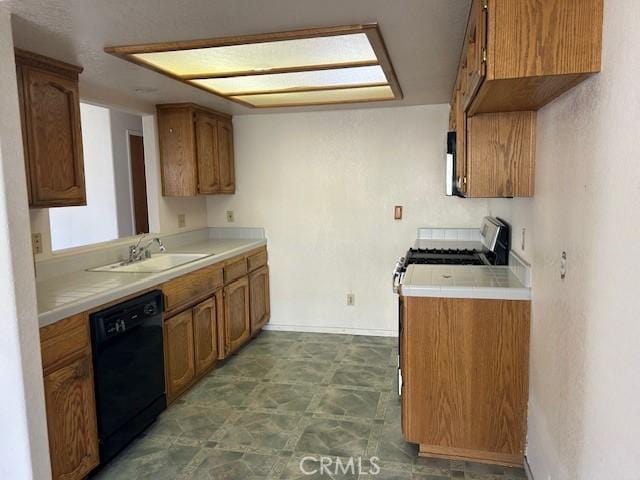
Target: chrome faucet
137, 252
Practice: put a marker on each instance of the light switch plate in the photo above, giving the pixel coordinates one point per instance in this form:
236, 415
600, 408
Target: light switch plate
230, 216
182, 220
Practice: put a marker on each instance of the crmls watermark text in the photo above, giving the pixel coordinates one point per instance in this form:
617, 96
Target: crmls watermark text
312, 465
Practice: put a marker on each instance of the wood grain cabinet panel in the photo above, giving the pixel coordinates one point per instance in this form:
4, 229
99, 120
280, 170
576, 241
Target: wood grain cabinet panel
207, 153
226, 157
260, 306
501, 154
205, 333
196, 150
71, 419
476, 48
177, 152
237, 320
180, 367
70, 397
257, 260
191, 287
465, 377
537, 50
50, 116
234, 269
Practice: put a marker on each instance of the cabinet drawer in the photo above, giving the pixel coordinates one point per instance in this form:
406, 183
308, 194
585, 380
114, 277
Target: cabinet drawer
182, 290
257, 260
236, 268
64, 339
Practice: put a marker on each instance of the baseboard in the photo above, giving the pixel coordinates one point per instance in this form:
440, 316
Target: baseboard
465, 454
339, 330
527, 469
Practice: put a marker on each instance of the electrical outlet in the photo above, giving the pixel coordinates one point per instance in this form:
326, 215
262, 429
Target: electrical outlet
36, 243
182, 220
230, 216
351, 299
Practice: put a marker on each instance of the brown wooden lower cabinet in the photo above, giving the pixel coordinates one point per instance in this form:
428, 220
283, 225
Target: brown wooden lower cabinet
237, 322
180, 367
191, 344
71, 419
465, 377
70, 398
260, 306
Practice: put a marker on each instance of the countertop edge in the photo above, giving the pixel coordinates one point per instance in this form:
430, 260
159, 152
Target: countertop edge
50, 317
480, 293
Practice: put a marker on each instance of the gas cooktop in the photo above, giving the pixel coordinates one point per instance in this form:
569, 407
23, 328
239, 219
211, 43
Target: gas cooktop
441, 256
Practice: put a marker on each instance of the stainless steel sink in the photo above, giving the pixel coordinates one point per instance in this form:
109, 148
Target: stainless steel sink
157, 263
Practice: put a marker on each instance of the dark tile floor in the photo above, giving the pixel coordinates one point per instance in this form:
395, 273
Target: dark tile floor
288, 398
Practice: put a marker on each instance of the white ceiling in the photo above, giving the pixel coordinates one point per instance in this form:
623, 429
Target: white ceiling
423, 38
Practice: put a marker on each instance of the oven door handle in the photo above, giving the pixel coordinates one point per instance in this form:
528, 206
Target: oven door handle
397, 278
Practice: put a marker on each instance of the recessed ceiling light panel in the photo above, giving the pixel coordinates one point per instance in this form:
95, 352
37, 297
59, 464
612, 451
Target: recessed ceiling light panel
320, 97
310, 80
318, 66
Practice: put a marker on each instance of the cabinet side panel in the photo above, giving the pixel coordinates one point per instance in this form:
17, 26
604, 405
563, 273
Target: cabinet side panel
498, 331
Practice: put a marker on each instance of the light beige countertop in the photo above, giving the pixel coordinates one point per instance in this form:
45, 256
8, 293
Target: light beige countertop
463, 281
75, 292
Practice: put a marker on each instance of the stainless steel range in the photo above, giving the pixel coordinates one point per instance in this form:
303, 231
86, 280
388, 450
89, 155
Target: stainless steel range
492, 249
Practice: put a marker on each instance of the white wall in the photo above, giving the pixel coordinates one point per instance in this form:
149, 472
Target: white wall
23, 438
98, 220
584, 414
121, 124
324, 185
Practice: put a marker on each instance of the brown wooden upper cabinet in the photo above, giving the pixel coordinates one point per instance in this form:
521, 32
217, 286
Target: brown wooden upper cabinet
517, 56
196, 151
521, 55
51, 133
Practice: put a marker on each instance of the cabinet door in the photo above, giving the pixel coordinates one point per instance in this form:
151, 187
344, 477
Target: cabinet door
207, 153
500, 154
205, 324
259, 298
236, 314
177, 152
180, 364
54, 140
71, 419
461, 144
226, 157
475, 50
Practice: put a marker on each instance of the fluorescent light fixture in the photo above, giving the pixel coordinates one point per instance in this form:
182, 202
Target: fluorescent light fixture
302, 67
319, 97
314, 79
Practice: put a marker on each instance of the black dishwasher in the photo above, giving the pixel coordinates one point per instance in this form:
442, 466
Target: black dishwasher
128, 364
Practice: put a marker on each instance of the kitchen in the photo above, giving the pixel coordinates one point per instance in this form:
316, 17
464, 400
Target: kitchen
275, 213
